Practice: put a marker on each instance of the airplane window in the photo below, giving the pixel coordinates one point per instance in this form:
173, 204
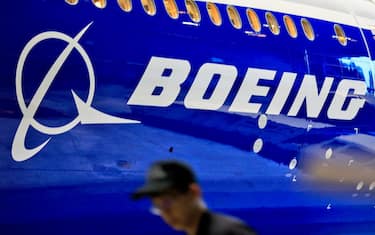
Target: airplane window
234, 17
72, 2
340, 34
214, 13
253, 20
100, 3
372, 186
273, 25
308, 29
125, 5
149, 7
171, 8
290, 26
193, 10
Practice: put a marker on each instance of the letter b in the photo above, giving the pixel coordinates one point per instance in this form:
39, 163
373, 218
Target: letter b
154, 77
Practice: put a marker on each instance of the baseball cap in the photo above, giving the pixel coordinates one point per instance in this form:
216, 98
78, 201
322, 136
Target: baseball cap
163, 176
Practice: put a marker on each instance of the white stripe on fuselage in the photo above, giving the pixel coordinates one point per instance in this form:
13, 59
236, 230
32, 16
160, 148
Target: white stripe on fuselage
338, 11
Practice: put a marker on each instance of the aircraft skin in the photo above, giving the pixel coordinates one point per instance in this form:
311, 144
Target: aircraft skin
279, 127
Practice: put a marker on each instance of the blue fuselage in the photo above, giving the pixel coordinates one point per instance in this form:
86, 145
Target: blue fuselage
89, 162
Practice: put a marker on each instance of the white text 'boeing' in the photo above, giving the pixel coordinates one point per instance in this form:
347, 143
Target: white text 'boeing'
344, 105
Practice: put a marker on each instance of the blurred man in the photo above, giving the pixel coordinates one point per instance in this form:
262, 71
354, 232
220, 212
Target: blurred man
177, 198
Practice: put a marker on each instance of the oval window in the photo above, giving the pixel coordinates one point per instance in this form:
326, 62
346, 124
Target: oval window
234, 17
100, 3
254, 21
171, 8
290, 26
273, 25
193, 10
214, 13
308, 29
72, 2
149, 7
125, 5
340, 34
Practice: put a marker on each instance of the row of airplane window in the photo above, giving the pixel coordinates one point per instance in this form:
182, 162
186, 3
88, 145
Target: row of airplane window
233, 15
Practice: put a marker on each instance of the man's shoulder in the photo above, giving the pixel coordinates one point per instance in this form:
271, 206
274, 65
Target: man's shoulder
221, 224
225, 219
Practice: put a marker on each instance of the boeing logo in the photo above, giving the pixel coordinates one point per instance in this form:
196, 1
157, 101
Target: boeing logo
86, 114
169, 74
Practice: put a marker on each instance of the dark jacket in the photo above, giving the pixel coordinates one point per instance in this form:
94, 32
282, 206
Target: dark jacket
217, 224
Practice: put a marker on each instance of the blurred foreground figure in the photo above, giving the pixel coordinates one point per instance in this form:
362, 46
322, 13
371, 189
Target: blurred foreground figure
177, 198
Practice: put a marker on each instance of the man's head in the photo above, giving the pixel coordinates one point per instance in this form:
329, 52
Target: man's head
175, 194
164, 176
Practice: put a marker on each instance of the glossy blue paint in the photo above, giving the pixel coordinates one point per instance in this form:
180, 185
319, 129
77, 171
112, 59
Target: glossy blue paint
83, 177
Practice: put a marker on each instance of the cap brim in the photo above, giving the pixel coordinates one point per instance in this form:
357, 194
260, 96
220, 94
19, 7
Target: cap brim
151, 189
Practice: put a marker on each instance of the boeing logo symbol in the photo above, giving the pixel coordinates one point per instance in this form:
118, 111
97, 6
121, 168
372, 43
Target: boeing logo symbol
86, 113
